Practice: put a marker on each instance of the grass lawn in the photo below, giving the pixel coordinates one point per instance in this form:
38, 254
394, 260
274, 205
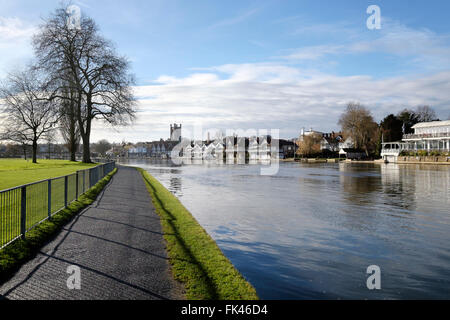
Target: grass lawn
196, 259
15, 172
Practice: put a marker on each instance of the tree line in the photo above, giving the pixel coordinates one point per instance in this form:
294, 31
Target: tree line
76, 77
358, 123
51, 149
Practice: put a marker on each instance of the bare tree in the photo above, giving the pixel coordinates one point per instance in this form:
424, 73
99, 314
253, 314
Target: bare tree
309, 144
102, 147
425, 114
82, 59
358, 123
29, 113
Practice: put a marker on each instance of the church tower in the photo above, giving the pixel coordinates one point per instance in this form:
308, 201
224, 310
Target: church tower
175, 132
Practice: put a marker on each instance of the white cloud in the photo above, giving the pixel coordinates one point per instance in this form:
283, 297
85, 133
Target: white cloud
15, 42
315, 52
420, 47
273, 96
14, 29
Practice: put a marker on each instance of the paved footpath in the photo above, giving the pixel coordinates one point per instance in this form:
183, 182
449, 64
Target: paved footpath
116, 242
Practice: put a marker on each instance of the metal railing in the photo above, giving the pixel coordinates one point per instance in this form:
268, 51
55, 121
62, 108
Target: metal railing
24, 207
395, 152
426, 135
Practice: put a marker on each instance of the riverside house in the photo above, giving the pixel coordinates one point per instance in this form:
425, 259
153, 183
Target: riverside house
427, 136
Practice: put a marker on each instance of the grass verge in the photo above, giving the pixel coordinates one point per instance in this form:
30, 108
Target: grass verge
196, 259
21, 251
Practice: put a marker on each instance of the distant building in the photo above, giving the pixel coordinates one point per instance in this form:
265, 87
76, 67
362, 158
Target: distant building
427, 136
175, 132
304, 133
138, 151
331, 141
352, 153
283, 148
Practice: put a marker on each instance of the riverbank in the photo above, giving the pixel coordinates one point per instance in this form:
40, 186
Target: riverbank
381, 161
19, 252
196, 259
312, 160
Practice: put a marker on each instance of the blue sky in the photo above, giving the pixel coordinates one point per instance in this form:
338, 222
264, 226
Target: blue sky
260, 64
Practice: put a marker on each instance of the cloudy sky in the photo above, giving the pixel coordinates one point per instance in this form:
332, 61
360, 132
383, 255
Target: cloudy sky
259, 64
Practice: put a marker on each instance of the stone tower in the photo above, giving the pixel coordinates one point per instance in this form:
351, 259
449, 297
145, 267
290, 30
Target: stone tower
175, 132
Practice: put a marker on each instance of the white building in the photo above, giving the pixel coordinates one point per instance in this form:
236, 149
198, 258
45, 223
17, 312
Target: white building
187, 152
430, 136
253, 149
197, 151
219, 151
427, 136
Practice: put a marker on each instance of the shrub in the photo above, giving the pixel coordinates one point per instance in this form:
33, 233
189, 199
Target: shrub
422, 153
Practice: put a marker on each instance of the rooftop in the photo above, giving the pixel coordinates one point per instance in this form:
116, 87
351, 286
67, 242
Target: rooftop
431, 124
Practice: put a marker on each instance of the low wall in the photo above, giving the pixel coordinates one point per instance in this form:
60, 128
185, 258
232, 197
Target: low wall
428, 159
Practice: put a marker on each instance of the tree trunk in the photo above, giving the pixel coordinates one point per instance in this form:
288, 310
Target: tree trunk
73, 131
86, 148
73, 153
24, 146
35, 146
86, 135
73, 147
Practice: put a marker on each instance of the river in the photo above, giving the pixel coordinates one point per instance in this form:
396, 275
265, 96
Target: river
311, 230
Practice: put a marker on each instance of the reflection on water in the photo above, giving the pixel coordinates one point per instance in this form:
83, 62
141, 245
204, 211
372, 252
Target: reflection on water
312, 230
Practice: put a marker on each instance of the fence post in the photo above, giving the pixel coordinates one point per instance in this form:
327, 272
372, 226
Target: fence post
90, 177
23, 212
49, 201
76, 185
84, 181
65, 190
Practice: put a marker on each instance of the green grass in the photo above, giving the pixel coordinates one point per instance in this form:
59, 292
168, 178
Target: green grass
16, 172
20, 251
196, 259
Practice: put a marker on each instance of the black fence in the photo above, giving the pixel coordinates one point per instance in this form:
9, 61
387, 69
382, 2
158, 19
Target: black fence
24, 207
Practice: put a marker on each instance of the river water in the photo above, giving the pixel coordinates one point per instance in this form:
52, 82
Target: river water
312, 230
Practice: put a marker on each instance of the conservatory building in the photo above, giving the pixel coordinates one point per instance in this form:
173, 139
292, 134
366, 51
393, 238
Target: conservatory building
430, 136
427, 136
